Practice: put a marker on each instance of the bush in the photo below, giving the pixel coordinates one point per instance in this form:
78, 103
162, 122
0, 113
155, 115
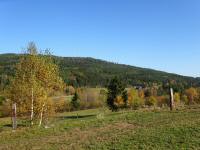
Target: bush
135, 98
185, 99
137, 102
5, 109
151, 101
132, 94
192, 95
119, 102
177, 98
62, 105
90, 105
91, 98
163, 100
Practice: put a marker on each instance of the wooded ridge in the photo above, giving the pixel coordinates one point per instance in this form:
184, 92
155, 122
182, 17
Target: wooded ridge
90, 72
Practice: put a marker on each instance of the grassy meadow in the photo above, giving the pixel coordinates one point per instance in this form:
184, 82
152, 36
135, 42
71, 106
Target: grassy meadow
102, 129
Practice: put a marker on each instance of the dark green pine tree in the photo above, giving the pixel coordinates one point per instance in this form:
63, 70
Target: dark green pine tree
75, 101
115, 88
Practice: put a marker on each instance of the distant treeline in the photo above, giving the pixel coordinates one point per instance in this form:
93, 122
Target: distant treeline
89, 72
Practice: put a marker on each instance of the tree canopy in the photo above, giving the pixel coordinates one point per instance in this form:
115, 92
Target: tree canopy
36, 79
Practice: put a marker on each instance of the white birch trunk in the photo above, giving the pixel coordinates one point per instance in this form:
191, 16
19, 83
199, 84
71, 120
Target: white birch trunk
171, 99
41, 115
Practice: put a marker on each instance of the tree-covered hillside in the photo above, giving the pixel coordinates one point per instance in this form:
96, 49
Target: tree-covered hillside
79, 71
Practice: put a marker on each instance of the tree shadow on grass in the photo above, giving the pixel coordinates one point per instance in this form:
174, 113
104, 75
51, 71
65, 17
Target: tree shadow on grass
76, 116
10, 125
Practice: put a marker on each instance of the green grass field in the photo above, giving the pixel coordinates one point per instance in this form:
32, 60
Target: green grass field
98, 129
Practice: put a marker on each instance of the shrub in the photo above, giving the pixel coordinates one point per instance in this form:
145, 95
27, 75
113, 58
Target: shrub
90, 104
132, 94
91, 98
137, 102
141, 94
185, 99
163, 101
62, 105
135, 98
151, 101
192, 95
177, 98
119, 102
5, 109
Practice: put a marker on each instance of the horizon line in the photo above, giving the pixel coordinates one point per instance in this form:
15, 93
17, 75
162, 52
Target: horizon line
109, 61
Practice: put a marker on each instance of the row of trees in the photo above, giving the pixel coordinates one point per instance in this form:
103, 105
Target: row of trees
119, 97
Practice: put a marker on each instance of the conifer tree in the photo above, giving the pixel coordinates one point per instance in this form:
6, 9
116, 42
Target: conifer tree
115, 89
75, 101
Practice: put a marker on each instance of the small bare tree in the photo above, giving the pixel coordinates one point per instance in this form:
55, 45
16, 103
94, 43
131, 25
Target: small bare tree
171, 99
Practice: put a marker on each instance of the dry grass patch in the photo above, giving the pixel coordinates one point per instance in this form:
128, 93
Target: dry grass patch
77, 138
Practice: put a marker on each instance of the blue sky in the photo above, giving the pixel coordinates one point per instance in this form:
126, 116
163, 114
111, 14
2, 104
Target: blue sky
158, 34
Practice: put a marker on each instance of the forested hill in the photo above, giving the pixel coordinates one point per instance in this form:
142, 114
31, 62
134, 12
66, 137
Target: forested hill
78, 71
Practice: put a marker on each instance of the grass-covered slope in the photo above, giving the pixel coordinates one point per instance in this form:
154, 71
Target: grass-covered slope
93, 72
120, 130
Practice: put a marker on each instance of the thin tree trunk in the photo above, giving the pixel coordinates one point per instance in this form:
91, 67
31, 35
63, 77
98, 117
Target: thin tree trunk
14, 116
32, 107
41, 115
171, 99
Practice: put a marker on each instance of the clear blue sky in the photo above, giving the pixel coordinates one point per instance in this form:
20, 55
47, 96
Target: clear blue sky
158, 34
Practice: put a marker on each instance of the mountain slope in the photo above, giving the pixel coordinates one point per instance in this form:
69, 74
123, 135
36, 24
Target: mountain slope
80, 71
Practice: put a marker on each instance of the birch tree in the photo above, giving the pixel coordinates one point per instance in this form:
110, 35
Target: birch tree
36, 79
